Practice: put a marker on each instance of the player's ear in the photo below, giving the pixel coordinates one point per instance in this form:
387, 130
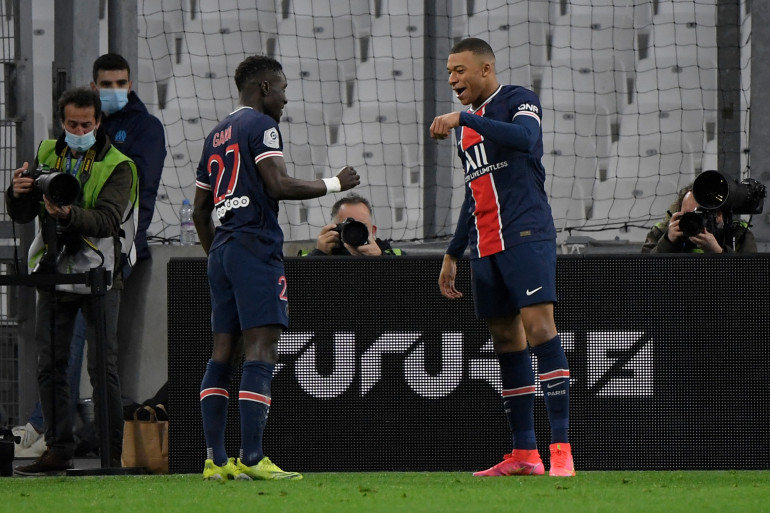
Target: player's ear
265, 86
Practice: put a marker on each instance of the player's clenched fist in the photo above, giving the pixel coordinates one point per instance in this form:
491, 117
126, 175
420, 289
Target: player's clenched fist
443, 124
348, 178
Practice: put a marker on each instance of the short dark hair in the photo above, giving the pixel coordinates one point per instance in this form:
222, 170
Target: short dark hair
475, 45
350, 199
254, 68
81, 97
110, 62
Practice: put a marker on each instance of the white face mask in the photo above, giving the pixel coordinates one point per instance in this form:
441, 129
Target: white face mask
113, 100
80, 143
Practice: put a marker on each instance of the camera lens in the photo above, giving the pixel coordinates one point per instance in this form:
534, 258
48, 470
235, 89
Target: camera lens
354, 232
61, 188
710, 189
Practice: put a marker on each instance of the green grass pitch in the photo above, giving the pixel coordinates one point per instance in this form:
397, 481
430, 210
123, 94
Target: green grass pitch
673, 491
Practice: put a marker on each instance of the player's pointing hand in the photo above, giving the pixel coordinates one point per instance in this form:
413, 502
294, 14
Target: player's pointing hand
348, 178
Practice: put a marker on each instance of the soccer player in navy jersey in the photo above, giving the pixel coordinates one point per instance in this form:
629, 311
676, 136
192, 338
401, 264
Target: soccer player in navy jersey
242, 176
507, 221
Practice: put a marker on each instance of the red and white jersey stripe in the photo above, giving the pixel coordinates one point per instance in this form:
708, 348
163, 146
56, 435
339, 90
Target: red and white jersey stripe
267, 154
489, 225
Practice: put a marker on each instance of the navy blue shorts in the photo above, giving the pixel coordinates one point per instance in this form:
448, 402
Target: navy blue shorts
246, 291
506, 282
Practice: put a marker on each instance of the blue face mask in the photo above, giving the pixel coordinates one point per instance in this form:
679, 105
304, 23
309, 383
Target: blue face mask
80, 143
113, 100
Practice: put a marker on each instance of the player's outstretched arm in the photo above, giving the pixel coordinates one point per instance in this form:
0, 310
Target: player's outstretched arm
522, 133
281, 186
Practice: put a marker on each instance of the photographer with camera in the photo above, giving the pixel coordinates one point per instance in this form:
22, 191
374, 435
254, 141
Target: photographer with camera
691, 228
77, 233
351, 231
140, 136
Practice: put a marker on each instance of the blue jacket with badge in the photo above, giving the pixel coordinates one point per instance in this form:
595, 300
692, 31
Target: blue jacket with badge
140, 136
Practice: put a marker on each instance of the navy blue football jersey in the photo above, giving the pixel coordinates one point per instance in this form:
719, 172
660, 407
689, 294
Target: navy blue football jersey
505, 186
228, 168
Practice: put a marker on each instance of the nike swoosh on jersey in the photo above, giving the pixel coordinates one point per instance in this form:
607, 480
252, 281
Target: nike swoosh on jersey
530, 292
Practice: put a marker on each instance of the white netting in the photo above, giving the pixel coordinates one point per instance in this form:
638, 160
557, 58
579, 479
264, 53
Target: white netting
629, 90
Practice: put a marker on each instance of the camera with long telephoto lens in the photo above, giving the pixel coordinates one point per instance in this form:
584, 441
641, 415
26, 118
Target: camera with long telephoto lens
353, 232
693, 223
713, 191
60, 188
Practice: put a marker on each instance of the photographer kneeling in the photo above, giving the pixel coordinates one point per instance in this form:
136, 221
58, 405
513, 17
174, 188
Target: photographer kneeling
351, 231
701, 231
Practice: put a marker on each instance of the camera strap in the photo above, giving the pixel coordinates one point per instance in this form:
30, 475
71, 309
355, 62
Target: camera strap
93, 247
85, 171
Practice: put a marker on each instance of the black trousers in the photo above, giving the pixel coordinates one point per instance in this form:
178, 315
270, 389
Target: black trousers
53, 358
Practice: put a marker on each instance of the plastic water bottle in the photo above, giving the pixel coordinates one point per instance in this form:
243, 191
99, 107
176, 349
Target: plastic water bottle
187, 234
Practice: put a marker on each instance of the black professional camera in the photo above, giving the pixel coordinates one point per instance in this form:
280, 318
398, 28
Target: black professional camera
353, 232
60, 188
693, 223
713, 191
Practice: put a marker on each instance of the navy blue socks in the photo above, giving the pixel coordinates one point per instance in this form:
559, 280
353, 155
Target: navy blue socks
554, 382
254, 402
519, 397
214, 398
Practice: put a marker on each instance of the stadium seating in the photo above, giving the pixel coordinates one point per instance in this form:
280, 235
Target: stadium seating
683, 12
295, 216
390, 80
668, 78
517, 35
324, 37
711, 155
568, 205
397, 7
628, 89
307, 162
379, 122
676, 130
600, 39
578, 88
237, 23
398, 36
575, 160
632, 199
651, 156
325, 8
